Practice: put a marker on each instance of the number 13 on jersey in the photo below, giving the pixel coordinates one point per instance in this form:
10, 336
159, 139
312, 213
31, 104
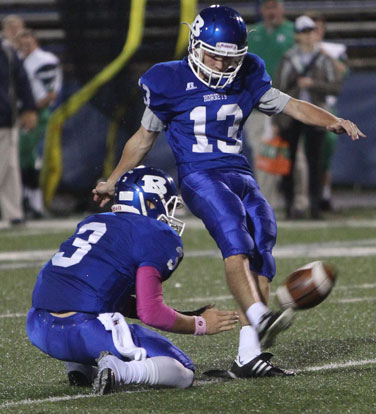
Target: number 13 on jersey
198, 115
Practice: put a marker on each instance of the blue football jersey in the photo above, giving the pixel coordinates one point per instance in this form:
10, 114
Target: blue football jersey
95, 269
204, 126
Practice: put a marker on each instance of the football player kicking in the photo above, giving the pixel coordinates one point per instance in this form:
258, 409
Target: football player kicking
203, 102
80, 293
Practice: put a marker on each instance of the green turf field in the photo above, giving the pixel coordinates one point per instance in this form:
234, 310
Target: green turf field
332, 347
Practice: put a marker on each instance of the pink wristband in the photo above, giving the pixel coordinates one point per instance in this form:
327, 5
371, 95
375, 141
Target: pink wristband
200, 325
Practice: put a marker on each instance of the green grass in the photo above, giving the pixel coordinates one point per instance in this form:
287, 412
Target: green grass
339, 331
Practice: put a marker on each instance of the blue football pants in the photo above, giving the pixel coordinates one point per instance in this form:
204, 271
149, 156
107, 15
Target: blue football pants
235, 213
82, 337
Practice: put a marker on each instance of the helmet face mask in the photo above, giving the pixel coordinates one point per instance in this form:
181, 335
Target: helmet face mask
149, 192
169, 218
220, 32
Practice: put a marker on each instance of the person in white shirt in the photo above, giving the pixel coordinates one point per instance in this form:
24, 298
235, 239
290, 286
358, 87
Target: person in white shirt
45, 76
17, 109
337, 51
308, 74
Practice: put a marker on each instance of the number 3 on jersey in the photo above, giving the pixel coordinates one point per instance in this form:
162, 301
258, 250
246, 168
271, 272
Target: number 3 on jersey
198, 115
83, 246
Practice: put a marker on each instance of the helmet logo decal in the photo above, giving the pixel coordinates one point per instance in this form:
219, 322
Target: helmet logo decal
196, 25
226, 47
126, 195
154, 184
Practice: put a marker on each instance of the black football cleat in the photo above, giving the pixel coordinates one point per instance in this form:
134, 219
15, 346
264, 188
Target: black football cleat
105, 382
78, 379
259, 367
272, 324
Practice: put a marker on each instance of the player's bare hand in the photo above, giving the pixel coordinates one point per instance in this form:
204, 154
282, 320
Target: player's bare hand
103, 193
343, 126
219, 321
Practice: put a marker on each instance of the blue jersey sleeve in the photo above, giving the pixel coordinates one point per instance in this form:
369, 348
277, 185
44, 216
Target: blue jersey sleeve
256, 80
160, 89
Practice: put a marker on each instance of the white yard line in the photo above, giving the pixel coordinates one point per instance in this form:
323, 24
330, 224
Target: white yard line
38, 231
22, 265
362, 286
350, 248
35, 226
323, 251
12, 315
216, 299
325, 224
46, 400
353, 248
338, 365
27, 255
355, 300
303, 250
304, 224
329, 367
58, 224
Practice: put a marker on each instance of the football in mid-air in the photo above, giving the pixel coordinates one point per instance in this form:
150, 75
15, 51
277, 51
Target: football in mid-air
307, 286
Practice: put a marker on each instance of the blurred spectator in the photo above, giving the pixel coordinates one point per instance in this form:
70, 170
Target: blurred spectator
269, 39
15, 97
12, 25
306, 73
45, 76
336, 51
273, 36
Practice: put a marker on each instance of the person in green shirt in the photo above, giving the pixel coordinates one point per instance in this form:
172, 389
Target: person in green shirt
269, 39
273, 36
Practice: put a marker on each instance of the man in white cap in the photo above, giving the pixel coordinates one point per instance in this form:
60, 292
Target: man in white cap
308, 74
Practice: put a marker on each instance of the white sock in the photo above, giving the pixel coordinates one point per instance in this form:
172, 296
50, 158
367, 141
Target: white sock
255, 313
172, 373
249, 344
152, 371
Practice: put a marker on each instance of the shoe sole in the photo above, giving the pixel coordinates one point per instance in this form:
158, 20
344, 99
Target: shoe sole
279, 325
104, 383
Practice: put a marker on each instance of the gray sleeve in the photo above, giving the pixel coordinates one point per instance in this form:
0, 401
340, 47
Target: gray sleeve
273, 101
151, 122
